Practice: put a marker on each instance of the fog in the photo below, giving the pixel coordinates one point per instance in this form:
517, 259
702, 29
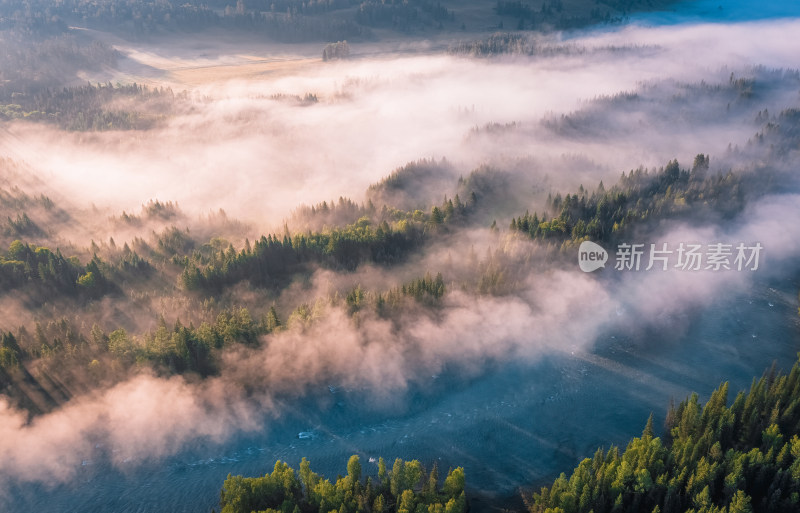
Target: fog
234, 145
555, 312
375, 114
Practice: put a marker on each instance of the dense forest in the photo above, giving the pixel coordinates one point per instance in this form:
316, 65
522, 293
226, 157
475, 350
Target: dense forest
207, 271
93, 107
38, 82
30, 64
712, 458
406, 488
639, 197
298, 20
532, 45
140, 18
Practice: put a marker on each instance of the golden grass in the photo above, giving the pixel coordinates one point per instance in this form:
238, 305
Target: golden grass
251, 68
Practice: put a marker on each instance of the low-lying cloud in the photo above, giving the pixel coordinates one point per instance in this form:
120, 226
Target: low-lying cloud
258, 157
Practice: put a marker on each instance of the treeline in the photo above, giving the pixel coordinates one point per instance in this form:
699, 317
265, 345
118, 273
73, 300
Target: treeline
288, 20
518, 9
780, 134
403, 15
152, 210
409, 193
15, 199
496, 44
21, 225
25, 216
294, 7
43, 275
427, 291
406, 488
509, 43
414, 185
273, 260
29, 64
93, 107
384, 237
179, 348
46, 270
173, 349
713, 459
291, 27
638, 197
42, 368
687, 104
334, 213
41, 18
336, 51
552, 15
138, 16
